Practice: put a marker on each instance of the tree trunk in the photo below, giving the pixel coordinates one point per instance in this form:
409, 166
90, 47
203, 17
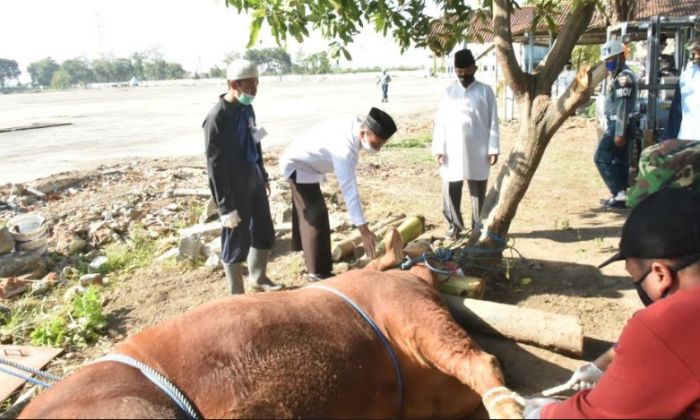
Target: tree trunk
540, 114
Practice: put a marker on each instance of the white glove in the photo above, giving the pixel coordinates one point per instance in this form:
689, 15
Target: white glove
585, 377
533, 407
230, 220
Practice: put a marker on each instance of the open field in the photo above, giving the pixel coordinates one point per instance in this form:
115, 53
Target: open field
166, 121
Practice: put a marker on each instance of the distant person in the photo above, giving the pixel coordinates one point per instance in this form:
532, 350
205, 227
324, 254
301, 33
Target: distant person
384, 79
465, 142
238, 180
333, 146
566, 77
654, 369
612, 157
684, 115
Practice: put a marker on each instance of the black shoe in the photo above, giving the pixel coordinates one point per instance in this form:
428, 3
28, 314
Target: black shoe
313, 278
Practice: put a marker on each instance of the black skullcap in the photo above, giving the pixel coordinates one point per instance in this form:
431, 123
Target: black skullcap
464, 59
380, 123
664, 225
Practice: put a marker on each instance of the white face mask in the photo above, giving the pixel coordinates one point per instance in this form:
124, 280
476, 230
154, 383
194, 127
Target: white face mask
367, 147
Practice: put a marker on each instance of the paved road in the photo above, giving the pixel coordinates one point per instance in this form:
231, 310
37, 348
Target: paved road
114, 123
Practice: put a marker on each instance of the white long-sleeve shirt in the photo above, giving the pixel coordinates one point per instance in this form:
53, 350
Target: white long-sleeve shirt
466, 131
690, 103
332, 146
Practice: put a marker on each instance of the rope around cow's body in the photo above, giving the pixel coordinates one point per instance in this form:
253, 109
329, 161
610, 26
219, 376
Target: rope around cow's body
28, 369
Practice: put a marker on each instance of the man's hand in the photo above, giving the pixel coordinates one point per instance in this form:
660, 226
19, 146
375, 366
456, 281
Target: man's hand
533, 407
620, 141
585, 377
230, 220
267, 188
441, 160
369, 241
493, 159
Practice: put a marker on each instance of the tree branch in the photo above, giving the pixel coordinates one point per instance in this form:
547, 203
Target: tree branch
504, 47
575, 24
575, 96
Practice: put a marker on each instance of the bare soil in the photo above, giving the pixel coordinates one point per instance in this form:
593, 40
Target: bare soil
560, 231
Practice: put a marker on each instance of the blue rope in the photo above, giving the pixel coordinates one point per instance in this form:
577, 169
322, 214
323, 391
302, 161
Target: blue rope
25, 378
377, 331
158, 380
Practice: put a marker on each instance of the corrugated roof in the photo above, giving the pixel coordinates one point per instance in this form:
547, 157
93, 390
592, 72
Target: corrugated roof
521, 19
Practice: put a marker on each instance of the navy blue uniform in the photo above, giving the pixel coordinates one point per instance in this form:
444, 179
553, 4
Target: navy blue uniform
613, 162
237, 178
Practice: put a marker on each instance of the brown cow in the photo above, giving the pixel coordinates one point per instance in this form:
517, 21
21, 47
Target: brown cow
299, 353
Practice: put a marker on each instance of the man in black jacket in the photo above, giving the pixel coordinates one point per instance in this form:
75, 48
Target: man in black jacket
238, 180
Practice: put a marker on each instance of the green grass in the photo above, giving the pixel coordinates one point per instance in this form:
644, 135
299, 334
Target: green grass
75, 325
124, 257
414, 142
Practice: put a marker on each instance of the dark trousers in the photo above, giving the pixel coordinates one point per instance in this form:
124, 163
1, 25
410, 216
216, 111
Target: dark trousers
385, 92
613, 162
311, 229
253, 208
452, 202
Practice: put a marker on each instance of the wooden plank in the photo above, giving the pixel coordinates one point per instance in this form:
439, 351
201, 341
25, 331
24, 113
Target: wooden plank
30, 356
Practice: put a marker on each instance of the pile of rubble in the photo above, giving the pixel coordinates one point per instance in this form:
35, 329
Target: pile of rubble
166, 201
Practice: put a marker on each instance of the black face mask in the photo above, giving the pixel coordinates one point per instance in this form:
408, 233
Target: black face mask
466, 80
644, 297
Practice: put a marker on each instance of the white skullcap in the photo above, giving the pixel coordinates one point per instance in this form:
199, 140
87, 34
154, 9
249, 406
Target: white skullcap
241, 69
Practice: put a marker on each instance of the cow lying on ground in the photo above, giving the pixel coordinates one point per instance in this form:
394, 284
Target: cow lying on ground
300, 353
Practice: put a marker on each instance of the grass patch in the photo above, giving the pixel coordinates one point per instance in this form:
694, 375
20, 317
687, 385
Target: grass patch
137, 253
421, 141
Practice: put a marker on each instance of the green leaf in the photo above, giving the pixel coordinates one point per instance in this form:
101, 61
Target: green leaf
254, 31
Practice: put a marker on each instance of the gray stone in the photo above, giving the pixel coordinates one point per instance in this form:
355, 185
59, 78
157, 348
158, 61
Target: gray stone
172, 253
213, 261
96, 264
77, 245
205, 232
190, 248
41, 287
89, 279
7, 242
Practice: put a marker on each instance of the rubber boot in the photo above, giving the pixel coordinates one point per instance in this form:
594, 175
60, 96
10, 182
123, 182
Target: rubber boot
234, 275
257, 265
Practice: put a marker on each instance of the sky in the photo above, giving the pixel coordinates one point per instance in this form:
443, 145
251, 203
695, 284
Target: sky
195, 33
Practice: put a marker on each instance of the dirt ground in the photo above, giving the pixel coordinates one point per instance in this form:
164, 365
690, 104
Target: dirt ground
560, 231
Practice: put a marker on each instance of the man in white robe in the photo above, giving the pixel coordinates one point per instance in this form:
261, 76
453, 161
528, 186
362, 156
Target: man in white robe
332, 146
465, 141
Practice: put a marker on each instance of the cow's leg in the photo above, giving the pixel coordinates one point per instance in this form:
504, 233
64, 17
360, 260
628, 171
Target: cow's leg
393, 255
440, 342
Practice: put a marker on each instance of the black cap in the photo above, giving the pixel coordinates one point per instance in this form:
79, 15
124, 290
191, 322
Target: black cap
664, 225
464, 59
380, 123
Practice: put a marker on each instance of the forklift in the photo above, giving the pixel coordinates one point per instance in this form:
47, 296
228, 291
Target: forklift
657, 80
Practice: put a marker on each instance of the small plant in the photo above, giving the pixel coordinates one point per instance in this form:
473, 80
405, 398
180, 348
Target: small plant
77, 325
562, 225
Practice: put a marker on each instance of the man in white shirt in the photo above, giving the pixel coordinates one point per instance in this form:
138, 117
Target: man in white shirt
332, 146
684, 116
465, 141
